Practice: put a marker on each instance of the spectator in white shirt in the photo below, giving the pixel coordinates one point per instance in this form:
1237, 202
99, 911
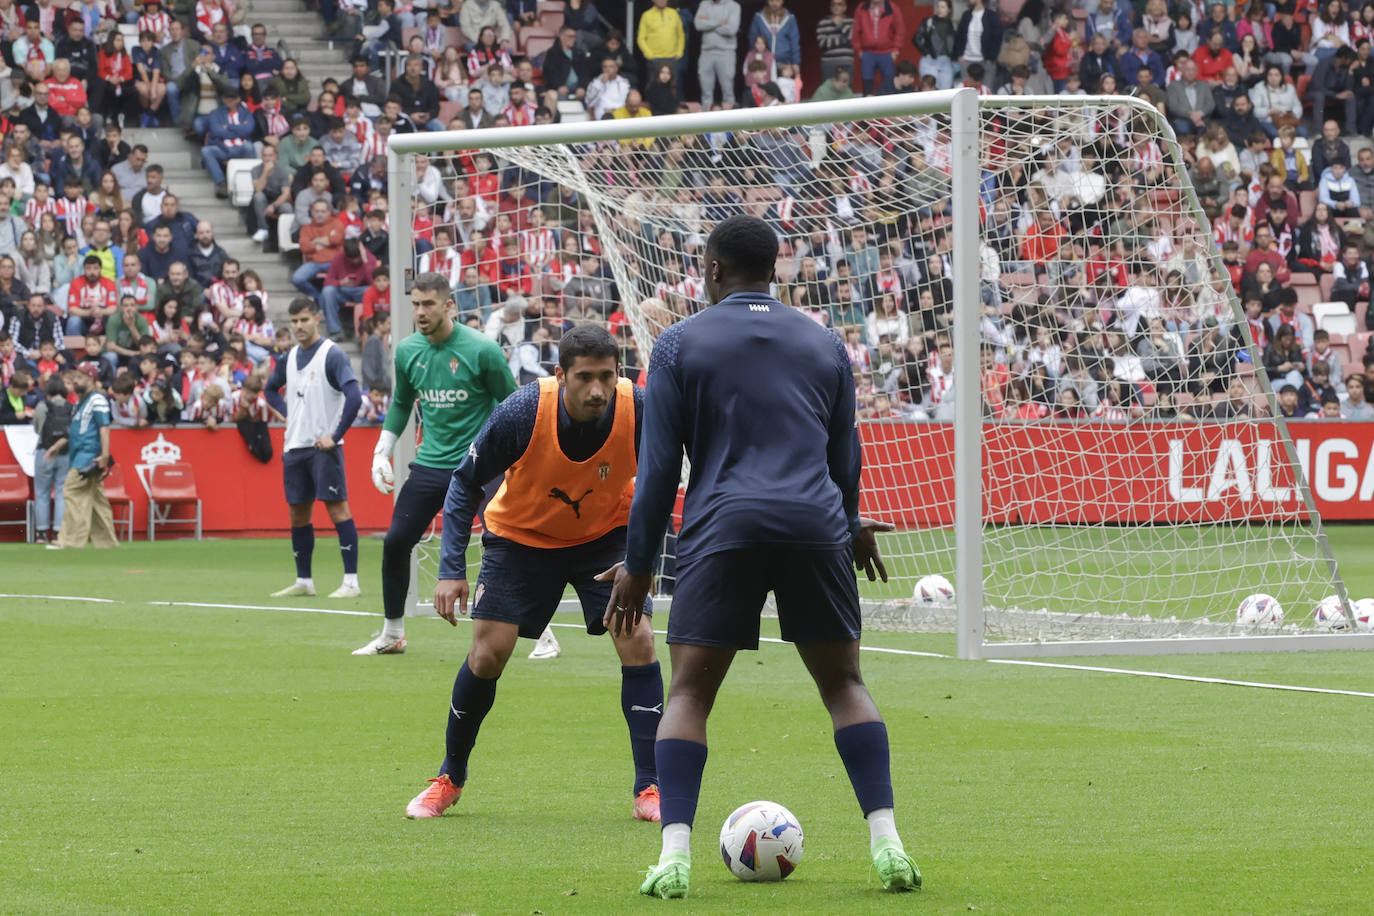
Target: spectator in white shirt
608, 91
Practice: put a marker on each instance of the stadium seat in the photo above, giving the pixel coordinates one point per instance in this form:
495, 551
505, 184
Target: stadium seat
1302, 278
449, 110
1307, 205
16, 493
238, 175
1334, 317
549, 6
1326, 284
1360, 344
285, 223
536, 44
551, 19
1010, 10
1360, 309
130, 32
75, 343
169, 486
119, 498
1308, 296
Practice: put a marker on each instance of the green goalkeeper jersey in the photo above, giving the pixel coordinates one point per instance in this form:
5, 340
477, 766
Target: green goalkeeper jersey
457, 383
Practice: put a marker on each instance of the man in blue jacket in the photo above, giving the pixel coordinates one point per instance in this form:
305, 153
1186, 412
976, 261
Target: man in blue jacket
229, 135
227, 55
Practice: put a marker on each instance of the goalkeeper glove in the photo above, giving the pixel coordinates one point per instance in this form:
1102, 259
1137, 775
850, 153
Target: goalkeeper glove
383, 478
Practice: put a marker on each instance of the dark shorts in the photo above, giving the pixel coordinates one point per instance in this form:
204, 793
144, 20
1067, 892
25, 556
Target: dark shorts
310, 474
719, 597
523, 585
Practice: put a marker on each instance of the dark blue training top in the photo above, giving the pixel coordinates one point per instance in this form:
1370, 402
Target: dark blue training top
503, 439
762, 398
338, 372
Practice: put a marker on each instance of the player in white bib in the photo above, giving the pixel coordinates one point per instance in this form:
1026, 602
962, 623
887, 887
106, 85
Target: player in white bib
321, 402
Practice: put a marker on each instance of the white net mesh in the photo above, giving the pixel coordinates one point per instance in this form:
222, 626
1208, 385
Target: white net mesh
1136, 481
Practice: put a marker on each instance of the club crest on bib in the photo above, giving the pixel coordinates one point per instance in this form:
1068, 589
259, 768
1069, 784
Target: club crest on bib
453, 365
603, 470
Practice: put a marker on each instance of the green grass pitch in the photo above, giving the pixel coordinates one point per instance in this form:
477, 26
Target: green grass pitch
196, 760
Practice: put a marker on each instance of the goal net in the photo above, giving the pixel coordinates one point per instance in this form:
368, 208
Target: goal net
1038, 276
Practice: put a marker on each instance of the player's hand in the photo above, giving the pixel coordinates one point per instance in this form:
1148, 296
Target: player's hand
324, 443
866, 554
383, 478
628, 594
447, 594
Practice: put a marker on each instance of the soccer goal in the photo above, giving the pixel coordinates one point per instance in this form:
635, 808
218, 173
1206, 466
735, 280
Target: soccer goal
1064, 411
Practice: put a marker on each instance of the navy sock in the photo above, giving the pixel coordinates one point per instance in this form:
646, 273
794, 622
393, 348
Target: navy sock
679, 778
472, 699
303, 546
641, 699
863, 748
348, 545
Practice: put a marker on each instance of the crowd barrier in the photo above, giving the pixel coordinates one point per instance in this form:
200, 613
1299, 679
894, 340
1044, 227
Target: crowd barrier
1082, 473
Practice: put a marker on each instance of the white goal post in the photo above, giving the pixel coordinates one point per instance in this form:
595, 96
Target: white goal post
1005, 605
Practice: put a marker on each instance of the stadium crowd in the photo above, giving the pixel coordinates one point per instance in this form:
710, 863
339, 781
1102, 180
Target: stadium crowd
100, 266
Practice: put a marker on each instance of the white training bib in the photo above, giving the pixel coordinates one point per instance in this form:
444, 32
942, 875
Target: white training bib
313, 406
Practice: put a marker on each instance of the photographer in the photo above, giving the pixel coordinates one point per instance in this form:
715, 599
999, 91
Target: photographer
88, 515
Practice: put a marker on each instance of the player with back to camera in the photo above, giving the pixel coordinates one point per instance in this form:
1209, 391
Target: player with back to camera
322, 399
458, 376
567, 446
762, 399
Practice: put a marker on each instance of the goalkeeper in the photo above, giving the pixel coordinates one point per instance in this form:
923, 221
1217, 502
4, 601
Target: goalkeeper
458, 376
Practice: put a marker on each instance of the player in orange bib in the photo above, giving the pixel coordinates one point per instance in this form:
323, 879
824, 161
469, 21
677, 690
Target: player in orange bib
568, 447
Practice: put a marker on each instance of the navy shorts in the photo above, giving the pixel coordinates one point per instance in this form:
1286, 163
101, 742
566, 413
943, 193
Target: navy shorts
523, 585
719, 597
310, 474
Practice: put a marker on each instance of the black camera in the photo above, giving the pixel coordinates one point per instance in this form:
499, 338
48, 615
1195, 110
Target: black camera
93, 468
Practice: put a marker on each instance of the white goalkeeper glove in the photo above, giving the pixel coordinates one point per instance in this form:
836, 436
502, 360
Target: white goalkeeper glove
383, 477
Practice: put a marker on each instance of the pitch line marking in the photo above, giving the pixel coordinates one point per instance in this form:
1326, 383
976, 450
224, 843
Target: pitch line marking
62, 598
1193, 678
1198, 679
263, 607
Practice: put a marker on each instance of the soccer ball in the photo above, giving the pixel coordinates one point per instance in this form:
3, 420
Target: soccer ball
934, 590
1259, 610
1331, 614
761, 841
1363, 612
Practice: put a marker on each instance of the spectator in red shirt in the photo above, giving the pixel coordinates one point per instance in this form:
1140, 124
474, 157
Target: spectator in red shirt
90, 299
1264, 252
1058, 50
65, 92
878, 33
1275, 192
350, 275
321, 240
1213, 59
112, 90
1043, 239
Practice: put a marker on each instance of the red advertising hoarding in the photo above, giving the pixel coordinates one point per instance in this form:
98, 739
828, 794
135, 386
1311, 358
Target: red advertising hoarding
1032, 473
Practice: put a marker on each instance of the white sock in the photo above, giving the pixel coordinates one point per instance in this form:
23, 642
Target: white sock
351, 579
676, 840
882, 825
393, 628
307, 582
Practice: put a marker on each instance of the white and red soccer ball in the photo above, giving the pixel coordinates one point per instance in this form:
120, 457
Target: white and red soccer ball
1259, 610
1332, 613
761, 841
933, 589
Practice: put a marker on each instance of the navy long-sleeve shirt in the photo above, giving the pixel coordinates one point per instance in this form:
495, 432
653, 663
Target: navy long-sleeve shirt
762, 399
502, 441
337, 371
